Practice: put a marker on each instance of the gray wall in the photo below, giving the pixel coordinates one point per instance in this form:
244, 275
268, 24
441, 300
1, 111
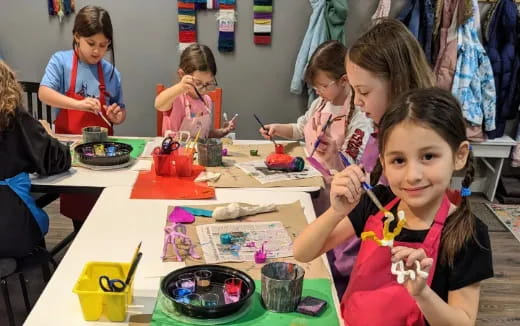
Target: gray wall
255, 79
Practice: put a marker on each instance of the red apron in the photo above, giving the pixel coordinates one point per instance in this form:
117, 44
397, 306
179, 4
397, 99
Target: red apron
70, 121
373, 296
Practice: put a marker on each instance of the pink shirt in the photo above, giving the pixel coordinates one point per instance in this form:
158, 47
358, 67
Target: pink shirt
172, 119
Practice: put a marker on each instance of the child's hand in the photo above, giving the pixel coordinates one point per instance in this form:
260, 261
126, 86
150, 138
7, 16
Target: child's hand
410, 256
346, 190
187, 83
229, 126
114, 113
271, 130
89, 104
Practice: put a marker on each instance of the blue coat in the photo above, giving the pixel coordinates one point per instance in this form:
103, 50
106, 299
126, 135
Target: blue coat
503, 50
315, 35
419, 16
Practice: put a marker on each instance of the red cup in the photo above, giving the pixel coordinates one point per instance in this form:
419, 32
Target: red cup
184, 163
163, 164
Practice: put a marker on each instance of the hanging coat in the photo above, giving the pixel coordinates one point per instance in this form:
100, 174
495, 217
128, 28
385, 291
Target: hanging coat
473, 82
314, 36
335, 17
501, 34
446, 55
383, 9
418, 16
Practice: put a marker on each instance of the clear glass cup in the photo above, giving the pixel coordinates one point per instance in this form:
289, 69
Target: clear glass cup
186, 281
232, 289
194, 299
179, 294
203, 278
210, 299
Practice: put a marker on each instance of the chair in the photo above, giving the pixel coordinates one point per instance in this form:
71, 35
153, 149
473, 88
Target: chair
11, 266
216, 98
31, 89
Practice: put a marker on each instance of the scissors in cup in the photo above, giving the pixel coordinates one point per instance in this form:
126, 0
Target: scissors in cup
168, 145
111, 285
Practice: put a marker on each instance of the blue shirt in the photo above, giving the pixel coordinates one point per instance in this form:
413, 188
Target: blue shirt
59, 69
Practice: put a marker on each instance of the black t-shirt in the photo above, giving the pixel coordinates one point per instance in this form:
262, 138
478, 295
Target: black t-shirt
472, 264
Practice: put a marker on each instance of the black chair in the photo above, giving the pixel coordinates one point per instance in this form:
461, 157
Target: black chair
42, 200
11, 266
31, 89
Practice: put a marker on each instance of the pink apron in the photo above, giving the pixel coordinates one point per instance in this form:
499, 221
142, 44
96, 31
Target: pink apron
192, 122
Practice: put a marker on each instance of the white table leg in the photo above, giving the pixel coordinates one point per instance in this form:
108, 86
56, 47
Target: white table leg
493, 177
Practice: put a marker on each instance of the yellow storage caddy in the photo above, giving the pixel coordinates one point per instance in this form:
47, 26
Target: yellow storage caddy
94, 301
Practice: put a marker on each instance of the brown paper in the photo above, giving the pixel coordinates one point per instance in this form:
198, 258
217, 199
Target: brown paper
291, 216
234, 177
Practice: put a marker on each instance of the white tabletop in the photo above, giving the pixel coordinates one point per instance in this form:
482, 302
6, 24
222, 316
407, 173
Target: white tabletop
111, 233
82, 177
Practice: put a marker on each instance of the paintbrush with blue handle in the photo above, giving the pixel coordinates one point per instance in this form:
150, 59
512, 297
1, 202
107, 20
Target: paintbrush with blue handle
318, 140
366, 186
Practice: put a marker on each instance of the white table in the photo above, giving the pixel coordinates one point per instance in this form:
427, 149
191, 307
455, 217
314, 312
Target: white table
111, 233
82, 179
492, 153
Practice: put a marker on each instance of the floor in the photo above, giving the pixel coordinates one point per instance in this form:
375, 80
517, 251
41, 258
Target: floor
500, 296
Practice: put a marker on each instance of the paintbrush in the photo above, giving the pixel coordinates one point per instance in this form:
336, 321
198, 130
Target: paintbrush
263, 127
194, 141
199, 95
366, 186
318, 140
104, 119
133, 267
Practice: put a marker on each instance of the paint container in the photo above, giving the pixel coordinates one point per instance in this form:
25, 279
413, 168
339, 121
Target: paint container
183, 162
203, 278
282, 285
94, 134
209, 152
210, 300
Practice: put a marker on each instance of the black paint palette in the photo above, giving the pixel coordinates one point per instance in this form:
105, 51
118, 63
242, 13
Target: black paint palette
103, 153
224, 305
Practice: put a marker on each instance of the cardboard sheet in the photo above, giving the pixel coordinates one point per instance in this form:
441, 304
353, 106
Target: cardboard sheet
292, 217
234, 177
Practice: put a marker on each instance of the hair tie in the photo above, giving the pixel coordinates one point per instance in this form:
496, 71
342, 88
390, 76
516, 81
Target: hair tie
465, 191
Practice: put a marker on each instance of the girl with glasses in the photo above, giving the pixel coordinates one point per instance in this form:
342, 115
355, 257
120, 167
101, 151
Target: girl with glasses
348, 128
185, 105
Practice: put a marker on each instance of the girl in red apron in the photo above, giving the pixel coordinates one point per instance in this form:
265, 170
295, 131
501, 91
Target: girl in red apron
93, 96
423, 143
184, 105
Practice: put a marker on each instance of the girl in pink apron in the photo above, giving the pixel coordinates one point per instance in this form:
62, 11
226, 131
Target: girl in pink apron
93, 96
423, 143
347, 127
348, 130
184, 105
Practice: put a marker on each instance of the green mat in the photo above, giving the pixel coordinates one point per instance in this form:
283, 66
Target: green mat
319, 288
137, 145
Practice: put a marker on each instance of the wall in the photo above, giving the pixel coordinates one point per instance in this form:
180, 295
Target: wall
255, 79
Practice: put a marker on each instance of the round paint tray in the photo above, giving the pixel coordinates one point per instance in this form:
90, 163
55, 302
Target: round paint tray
218, 276
169, 310
103, 153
